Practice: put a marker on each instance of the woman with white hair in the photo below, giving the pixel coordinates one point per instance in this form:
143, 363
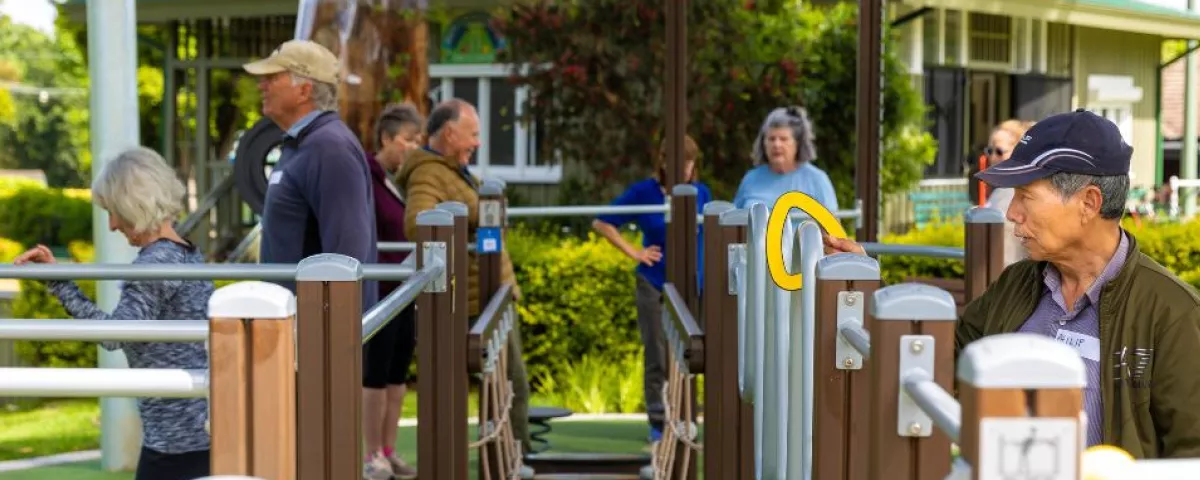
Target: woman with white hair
143, 197
783, 157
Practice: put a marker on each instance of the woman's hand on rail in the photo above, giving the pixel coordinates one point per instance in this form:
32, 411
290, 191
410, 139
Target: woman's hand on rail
38, 254
841, 245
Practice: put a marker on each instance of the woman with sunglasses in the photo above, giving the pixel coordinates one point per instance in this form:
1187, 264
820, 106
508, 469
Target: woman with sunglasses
1000, 146
783, 156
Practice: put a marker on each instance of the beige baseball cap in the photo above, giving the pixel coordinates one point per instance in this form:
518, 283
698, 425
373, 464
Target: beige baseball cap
301, 57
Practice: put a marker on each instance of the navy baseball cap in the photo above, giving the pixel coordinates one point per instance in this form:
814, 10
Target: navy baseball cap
1076, 142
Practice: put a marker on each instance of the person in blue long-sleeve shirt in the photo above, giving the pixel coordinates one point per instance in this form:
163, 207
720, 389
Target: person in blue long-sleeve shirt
319, 197
651, 270
783, 157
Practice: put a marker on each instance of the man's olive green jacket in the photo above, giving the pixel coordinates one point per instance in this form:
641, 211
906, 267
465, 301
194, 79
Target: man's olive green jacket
1149, 350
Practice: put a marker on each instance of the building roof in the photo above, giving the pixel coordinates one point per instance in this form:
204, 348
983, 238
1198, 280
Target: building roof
1119, 15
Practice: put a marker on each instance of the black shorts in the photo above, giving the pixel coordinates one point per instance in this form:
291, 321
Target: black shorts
388, 355
155, 465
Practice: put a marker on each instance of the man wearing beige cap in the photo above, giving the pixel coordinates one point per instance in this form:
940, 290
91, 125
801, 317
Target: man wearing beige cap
319, 197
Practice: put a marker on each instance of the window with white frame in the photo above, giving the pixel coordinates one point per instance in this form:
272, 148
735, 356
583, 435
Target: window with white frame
507, 147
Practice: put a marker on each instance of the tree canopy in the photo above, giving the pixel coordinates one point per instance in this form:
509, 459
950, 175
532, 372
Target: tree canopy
596, 86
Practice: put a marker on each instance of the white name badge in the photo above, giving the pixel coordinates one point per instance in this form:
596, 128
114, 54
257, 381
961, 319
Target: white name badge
276, 176
1087, 345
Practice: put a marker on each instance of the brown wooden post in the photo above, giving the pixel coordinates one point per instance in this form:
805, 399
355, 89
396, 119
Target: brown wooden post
682, 257
492, 214
846, 285
253, 380
1021, 387
491, 221
438, 454
329, 379
912, 329
720, 389
454, 370
733, 233
984, 249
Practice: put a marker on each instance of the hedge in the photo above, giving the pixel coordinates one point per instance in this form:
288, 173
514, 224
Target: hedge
31, 214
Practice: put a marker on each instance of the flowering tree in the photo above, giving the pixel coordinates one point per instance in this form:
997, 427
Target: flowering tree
596, 86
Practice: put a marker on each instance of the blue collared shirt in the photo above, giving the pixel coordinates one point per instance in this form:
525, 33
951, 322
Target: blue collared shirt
296, 128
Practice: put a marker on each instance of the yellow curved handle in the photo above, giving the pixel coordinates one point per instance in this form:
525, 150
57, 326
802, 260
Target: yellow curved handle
779, 214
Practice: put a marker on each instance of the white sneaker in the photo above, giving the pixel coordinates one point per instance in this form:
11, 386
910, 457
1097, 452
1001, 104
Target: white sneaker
377, 467
400, 469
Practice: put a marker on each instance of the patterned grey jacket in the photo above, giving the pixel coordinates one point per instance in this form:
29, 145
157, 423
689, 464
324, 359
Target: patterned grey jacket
169, 425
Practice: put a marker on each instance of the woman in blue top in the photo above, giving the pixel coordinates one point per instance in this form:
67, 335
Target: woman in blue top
651, 273
783, 158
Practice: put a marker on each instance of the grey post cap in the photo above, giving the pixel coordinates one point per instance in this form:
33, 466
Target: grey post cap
684, 190
329, 267
1021, 360
913, 301
983, 215
847, 266
717, 207
736, 217
491, 189
457, 209
435, 218
495, 183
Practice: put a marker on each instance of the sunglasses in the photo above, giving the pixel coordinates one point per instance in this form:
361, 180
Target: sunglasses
993, 151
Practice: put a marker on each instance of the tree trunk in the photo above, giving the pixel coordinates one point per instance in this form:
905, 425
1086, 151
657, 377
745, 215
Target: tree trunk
383, 48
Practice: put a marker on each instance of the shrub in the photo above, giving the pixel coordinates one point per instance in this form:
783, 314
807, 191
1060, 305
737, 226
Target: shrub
31, 214
578, 300
895, 268
595, 384
36, 301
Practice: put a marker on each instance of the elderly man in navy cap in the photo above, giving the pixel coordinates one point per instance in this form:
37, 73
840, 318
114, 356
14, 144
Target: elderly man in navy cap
1135, 324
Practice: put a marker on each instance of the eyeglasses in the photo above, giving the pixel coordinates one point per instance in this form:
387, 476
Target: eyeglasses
993, 151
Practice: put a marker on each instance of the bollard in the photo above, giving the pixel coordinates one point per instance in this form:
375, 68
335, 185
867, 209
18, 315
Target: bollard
738, 451
329, 382
984, 250
846, 284
441, 418
911, 328
252, 383
1021, 388
718, 318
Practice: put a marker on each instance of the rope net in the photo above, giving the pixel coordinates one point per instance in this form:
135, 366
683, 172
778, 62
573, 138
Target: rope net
672, 455
499, 450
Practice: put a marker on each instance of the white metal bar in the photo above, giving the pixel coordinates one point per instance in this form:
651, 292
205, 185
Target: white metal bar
384, 311
874, 248
105, 330
858, 338
103, 382
207, 271
935, 402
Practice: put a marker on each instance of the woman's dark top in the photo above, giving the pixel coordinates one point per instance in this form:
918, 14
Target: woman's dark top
389, 218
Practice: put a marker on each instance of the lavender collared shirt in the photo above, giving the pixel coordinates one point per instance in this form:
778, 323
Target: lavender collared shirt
1079, 328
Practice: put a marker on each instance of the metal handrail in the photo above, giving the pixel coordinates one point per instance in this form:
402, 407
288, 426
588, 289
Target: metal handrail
935, 401
383, 312
205, 271
103, 382
874, 248
858, 338
105, 330
488, 328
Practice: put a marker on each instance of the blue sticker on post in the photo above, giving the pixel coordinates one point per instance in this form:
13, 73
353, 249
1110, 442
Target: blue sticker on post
487, 240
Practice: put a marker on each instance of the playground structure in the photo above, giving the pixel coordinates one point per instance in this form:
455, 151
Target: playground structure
842, 379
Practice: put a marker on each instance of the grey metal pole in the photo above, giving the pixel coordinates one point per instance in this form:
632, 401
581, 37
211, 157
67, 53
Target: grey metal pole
112, 68
1187, 163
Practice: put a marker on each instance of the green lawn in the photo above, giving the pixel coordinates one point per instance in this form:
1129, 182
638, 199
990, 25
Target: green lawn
73, 425
601, 437
53, 427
